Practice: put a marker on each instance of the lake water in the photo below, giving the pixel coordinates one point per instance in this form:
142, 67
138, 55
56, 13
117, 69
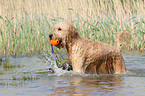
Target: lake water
69, 83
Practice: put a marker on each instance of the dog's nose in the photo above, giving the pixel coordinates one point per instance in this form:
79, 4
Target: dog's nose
50, 36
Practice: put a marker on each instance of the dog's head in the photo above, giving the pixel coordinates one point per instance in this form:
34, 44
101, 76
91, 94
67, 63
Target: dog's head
64, 32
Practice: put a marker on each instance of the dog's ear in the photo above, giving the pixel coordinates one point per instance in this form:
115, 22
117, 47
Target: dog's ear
73, 33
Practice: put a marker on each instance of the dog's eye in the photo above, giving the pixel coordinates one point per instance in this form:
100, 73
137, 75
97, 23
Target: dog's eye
59, 29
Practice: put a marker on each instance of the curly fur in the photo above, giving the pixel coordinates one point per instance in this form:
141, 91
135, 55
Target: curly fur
89, 57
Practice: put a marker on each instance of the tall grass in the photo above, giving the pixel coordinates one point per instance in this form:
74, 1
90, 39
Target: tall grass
25, 24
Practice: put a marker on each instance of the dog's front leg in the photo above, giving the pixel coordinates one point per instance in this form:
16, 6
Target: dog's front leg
77, 63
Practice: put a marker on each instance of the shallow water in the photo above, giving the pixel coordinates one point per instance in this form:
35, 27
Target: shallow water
68, 83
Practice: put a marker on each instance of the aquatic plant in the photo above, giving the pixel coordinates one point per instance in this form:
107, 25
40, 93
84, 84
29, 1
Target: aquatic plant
25, 24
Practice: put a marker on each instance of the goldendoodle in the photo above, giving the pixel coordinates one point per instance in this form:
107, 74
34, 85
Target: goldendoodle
89, 57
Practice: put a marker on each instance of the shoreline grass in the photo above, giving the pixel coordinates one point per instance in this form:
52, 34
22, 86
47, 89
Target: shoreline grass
25, 24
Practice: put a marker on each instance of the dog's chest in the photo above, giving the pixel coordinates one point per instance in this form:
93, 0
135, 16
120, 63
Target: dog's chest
76, 53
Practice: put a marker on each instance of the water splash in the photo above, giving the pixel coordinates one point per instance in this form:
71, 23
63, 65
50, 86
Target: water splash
57, 64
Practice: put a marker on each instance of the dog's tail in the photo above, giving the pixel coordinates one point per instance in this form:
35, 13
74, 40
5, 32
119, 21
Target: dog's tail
122, 39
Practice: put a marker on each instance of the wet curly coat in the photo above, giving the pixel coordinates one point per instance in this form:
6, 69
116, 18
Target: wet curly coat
86, 56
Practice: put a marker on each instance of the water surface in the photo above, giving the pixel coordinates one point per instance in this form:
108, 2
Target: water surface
69, 83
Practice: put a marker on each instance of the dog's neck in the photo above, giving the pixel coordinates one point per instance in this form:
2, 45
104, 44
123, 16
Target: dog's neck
71, 41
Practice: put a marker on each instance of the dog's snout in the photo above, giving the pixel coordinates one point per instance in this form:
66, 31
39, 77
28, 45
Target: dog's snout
50, 36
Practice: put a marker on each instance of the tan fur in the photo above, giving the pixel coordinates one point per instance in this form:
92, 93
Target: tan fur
89, 57
122, 39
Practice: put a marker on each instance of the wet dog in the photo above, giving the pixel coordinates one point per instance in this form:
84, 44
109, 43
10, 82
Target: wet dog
89, 57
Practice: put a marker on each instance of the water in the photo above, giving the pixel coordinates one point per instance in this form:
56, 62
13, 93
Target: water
69, 83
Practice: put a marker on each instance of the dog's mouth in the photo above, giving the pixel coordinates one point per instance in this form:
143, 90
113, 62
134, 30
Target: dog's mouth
56, 42
59, 44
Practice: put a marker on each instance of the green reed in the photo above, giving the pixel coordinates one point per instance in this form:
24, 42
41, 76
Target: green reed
24, 36
25, 24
